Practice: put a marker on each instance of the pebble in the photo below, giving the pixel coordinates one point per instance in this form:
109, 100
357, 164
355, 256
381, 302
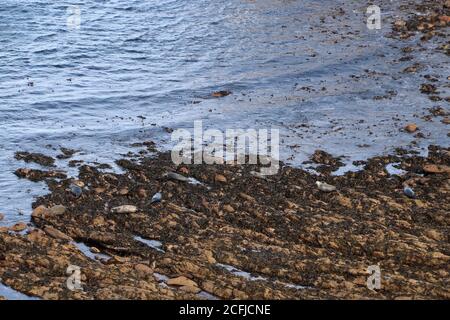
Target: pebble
220, 178
156, 197
55, 233
409, 192
181, 281
57, 210
143, 269
228, 208
76, 190
18, 227
95, 250
176, 176
78, 183
436, 168
325, 186
124, 209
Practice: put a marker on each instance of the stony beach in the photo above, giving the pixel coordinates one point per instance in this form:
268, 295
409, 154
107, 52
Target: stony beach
234, 234
156, 230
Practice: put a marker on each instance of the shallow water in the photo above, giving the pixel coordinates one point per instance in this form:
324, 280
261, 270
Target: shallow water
135, 67
12, 294
154, 244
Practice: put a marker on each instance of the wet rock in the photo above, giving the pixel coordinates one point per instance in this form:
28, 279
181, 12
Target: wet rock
219, 94
75, 190
94, 250
176, 176
220, 178
323, 186
436, 168
412, 127
55, 233
445, 19
66, 153
327, 161
438, 111
39, 212
246, 196
99, 221
144, 269
38, 175
38, 158
190, 289
434, 234
228, 208
428, 88
409, 192
125, 209
78, 183
156, 197
99, 190
181, 281
322, 157
57, 210
142, 193
344, 201
18, 227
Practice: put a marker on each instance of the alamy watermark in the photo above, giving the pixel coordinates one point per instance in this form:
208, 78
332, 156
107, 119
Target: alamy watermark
234, 146
73, 21
374, 278
374, 19
73, 282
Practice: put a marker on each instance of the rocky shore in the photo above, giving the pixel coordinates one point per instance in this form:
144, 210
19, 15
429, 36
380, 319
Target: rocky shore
161, 231
223, 232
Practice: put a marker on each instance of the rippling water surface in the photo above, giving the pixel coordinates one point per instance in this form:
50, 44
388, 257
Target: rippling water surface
137, 66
